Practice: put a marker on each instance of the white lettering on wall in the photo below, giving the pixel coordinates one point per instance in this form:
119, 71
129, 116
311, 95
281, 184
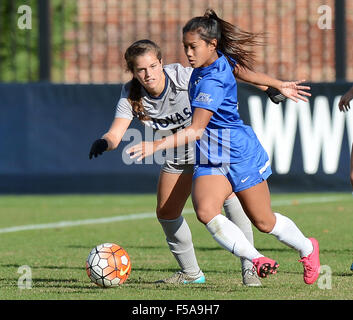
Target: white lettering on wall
320, 132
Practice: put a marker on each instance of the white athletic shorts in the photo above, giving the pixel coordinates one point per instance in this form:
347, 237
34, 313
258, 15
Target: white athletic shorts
180, 160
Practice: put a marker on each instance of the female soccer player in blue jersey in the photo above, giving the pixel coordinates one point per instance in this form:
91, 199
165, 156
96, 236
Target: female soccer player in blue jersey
158, 96
229, 156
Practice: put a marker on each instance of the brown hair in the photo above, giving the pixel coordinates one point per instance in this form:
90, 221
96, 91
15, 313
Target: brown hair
231, 40
139, 48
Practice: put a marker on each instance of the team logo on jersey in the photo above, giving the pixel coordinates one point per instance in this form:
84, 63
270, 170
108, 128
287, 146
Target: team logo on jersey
204, 98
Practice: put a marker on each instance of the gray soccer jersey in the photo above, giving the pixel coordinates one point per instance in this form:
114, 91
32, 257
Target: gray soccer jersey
168, 112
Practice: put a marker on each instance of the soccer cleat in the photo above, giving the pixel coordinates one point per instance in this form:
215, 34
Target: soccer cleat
265, 266
250, 278
311, 263
184, 278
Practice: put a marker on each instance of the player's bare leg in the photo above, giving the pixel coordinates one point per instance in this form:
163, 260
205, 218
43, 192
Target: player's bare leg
256, 202
173, 191
208, 194
235, 213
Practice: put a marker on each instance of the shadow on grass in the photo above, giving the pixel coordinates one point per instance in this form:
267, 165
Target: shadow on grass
54, 267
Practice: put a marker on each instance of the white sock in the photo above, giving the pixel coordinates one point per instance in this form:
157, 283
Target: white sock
179, 239
235, 213
287, 232
231, 238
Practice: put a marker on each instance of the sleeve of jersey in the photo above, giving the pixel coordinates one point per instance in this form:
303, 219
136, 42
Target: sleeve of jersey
179, 75
209, 94
123, 107
183, 76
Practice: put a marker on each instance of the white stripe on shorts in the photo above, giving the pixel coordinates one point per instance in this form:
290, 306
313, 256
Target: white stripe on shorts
263, 169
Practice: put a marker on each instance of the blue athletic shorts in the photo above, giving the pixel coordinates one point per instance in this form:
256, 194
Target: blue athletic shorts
242, 175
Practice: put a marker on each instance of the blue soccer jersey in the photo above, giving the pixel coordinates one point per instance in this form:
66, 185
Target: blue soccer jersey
226, 138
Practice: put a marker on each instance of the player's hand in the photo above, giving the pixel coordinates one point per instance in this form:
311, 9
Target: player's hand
142, 150
98, 147
343, 105
294, 91
275, 95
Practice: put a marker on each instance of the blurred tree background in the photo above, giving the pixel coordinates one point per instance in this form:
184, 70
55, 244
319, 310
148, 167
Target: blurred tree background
19, 48
84, 41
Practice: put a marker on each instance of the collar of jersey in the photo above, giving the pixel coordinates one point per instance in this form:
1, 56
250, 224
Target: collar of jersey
206, 69
164, 90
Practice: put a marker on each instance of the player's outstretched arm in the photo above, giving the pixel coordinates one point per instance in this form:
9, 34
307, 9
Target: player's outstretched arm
343, 105
290, 89
201, 117
111, 139
274, 94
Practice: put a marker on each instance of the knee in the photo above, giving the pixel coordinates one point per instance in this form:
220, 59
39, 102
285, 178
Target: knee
167, 213
162, 213
352, 179
265, 225
231, 196
201, 218
207, 208
204, 214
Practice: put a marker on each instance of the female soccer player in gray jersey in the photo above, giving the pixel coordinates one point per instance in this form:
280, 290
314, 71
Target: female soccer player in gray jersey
158, 96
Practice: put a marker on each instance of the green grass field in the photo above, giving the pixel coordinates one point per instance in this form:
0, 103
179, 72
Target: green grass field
56, 253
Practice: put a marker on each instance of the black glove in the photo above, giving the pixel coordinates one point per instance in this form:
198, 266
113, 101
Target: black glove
275, 95
98, 147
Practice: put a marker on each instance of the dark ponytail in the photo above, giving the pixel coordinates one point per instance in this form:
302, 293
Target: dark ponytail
231, 40
139, 48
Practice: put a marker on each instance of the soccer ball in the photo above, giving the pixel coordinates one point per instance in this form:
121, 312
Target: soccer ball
108, 265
